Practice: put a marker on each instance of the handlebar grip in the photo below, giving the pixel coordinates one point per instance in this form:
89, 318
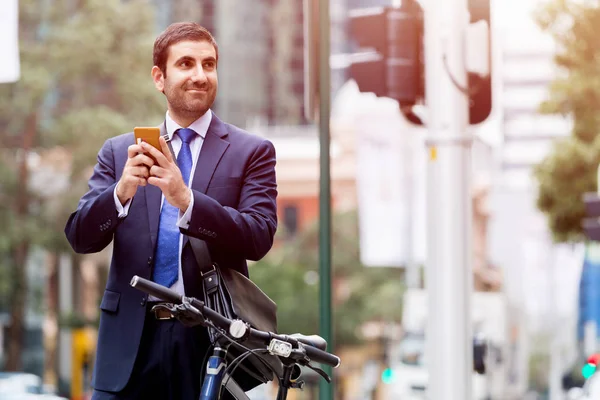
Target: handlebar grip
155, 289
313, 340
322, 357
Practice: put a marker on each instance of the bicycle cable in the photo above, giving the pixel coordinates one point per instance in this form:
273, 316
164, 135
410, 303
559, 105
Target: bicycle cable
236, 362
246, 353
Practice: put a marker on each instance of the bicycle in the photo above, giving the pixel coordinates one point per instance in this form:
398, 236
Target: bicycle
293, 350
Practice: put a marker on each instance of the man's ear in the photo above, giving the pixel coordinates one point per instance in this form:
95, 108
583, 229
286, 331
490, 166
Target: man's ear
158, 78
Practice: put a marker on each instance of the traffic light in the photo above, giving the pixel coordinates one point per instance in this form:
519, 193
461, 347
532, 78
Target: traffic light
388, 53
388, 376
591, 365
388, 56
480, 87
591, 224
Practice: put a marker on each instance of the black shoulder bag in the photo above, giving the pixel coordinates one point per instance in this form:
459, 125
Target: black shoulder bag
234, 296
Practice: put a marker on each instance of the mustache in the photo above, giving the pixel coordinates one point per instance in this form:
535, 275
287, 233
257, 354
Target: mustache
204, 86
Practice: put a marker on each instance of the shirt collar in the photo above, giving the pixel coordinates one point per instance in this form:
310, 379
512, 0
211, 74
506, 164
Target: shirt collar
200, 126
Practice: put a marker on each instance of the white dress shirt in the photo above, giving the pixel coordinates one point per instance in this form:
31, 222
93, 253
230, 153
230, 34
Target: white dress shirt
200, 126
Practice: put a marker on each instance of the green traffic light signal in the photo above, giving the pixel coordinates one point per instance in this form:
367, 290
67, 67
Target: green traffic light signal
588, 370
387, 376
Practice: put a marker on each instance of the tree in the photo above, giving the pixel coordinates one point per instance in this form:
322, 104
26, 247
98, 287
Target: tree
85, 69
570, 168
289, 275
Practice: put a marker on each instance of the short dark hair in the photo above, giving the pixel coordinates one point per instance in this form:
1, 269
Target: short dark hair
175, 33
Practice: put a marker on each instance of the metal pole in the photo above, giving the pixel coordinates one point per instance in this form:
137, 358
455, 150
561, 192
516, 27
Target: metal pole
325, 390
449, 280
556, 364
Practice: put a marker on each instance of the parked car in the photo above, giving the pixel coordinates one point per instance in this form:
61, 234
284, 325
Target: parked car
23, 386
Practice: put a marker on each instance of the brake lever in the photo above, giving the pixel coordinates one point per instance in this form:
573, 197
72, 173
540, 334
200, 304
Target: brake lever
302, 359
320, 372
185, 312
188, 314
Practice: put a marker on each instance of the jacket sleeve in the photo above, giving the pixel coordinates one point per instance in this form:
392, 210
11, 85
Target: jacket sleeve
249, 229
90, 229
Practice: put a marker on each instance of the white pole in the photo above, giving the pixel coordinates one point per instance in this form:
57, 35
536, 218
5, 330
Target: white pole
449, 280
556, 363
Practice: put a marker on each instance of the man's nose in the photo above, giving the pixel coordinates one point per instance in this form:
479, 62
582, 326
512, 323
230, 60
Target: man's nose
199, 75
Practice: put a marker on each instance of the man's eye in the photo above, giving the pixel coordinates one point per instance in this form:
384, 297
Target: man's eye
209, 64
185, 64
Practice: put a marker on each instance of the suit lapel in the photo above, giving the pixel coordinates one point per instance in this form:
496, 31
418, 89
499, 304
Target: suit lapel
212, 151
210, 154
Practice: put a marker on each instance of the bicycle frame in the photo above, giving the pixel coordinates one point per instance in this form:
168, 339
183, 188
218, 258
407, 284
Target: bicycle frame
215, 371
215, 377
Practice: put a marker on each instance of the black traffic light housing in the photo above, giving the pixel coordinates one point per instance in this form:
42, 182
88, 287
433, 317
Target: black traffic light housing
591, 224
388, 53
389, 59
480, 88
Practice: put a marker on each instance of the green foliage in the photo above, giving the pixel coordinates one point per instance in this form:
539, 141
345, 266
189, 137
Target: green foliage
570, 168
85, 76
289, 275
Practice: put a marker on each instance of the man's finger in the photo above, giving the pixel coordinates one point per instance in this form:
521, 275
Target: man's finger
142, 159
141, 172
160, 158
157, 171
155, 182
133, 150
165, 149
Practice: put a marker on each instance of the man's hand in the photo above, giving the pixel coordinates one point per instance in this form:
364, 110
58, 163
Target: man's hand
167, 176
135, 173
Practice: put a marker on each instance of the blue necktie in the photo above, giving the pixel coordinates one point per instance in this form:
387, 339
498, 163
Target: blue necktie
166, 267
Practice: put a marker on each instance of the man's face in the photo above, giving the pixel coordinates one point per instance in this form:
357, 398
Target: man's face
191, 82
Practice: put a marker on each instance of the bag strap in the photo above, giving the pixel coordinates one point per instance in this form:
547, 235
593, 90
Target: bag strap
199, 246
201, 253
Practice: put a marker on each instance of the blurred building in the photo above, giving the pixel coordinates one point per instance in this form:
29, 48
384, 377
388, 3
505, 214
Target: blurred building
298, 173
261, 54
541, 277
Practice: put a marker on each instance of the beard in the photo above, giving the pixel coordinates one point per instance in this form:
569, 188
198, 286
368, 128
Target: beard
190, 104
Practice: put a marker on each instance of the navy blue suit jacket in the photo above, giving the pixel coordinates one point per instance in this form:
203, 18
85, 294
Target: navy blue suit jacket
234, 211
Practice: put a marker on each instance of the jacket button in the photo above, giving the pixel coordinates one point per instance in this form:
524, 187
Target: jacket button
149, 260
143, 302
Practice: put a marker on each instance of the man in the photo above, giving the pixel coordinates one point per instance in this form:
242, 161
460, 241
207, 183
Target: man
220, 189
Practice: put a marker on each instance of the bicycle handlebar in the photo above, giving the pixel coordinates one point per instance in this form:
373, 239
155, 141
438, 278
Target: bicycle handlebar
310, 344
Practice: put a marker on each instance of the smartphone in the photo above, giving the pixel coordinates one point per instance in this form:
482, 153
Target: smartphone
148, 135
